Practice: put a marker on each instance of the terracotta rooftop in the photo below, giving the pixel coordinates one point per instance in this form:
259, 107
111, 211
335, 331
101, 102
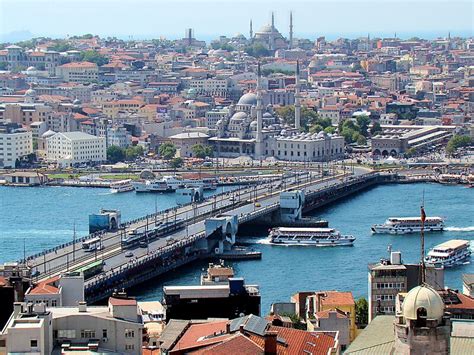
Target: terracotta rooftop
337, 298
199, 335
45, 287
236, 344
79, 65
122, 301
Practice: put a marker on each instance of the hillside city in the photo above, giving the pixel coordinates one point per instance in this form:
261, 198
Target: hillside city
292, 124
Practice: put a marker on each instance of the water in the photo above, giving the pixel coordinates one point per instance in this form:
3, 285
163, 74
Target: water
44, 217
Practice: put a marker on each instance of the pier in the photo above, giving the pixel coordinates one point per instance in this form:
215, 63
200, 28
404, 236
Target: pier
209, 230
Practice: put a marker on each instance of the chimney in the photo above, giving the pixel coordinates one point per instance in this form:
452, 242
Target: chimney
17, 308
241, 329
82, 306
270, 341
227, 328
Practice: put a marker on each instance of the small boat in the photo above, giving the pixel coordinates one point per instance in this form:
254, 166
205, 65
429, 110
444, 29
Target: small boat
451, 253
309, 236
171, 183
406, 225
121, 186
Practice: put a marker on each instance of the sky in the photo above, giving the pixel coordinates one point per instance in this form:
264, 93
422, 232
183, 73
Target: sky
209, 19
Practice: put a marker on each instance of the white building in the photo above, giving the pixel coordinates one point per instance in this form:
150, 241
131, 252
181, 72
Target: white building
15, 143
118, 136
78, 72
36, 329
71, 148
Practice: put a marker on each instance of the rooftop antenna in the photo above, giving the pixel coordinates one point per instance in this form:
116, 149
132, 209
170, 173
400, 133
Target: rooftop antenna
422, 234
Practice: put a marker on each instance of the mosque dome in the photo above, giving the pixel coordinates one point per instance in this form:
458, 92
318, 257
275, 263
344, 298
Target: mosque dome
76, 102
47, 134
248, 99
321, 135
267, 115
266, 29
30, 92
423, 297
31, 70
238, 116
253, 124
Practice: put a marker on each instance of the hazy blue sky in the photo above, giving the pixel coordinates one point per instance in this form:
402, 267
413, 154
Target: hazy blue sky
154, 18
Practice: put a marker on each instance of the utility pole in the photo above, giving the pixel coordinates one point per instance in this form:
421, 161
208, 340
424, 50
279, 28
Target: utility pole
74, 243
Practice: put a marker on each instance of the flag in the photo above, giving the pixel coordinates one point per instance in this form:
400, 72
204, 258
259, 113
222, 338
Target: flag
423, 214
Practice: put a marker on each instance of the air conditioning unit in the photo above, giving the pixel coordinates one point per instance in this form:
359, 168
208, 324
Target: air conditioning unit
104, 340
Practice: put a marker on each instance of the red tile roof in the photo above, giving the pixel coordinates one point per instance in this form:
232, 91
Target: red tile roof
79, 65
337, 298
199, 335
45, 287
236, 344
122, 301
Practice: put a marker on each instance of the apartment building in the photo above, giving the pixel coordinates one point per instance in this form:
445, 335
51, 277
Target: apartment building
70, 148
78, 72
15, 143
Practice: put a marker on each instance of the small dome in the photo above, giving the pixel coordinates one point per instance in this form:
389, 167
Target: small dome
76, 102
31, 69
321, 135
253, 124
267, 115
423, 297
239, 116
248, 99
30, 92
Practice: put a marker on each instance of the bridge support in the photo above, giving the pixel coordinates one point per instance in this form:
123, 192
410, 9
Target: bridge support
188, 195
220, 233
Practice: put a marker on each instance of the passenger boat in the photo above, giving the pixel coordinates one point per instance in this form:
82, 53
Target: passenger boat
121, 186
309, 236
172, 183
406, 225
451, 253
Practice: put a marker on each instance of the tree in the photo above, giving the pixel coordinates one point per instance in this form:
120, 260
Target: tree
94, 57
316, 128
330, 130
361, 140
61, 46
201, 151
257, 50
308, 117
363, 123
176, 163
410, 152
167, 150
375, 129
362, 312
458, 141
133, 152
3, 65
115, 154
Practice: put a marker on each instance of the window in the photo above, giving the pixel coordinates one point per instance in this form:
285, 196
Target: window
129, 333
104, 333
87, 334
129, 346
33, 343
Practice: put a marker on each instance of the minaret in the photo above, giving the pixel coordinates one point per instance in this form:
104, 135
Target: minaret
273, 21
290, 45
251, 31
259, 108
297, 97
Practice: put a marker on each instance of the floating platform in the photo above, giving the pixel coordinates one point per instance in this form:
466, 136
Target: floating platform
240, 254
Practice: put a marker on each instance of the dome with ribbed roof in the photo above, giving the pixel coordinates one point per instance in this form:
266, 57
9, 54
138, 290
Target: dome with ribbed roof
423, 297
248, 99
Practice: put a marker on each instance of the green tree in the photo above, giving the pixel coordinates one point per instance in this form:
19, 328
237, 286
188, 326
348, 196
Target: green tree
115, 154
315, 128
133, 152
257, 50
361, 140
94, 57
362, 312
458, 141
3, 65
61, 45
376, 128
363, 123
308, 117
176, 163
410, 152
202, 151
167, 150
330, 130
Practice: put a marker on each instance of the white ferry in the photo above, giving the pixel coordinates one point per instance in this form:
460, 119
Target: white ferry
405, 225
121, 186
171, 183
451, 253
309, 236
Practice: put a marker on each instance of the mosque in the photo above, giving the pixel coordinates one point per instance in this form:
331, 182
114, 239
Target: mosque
270, 37
252, 130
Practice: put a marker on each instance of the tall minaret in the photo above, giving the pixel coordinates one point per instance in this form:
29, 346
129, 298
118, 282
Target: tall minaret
290, 45
273, 20
251, 31
259, 108
297, 97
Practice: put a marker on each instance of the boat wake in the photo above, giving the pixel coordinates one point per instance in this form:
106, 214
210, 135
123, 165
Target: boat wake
263, 241
459, 229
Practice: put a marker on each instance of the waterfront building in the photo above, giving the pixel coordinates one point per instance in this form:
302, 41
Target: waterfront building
185, 141
25, 178
218, 301
15, 143
391, 277
70, 148
66, 290
78, 72
34, 328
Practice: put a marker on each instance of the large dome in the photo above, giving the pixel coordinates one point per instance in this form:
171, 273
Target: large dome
248, 99
423, 297
238, 116
266, 29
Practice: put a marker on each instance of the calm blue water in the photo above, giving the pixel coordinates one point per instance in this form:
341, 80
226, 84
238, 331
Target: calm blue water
44, 217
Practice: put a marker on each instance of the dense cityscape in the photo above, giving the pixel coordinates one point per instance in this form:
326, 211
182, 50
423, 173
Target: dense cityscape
259, 193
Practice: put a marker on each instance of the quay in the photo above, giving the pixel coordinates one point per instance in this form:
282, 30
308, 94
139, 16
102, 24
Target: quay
210, 230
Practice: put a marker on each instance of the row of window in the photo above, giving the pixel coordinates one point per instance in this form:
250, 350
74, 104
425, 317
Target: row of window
397, 285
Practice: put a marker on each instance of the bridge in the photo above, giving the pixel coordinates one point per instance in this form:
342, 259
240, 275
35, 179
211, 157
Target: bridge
208, 229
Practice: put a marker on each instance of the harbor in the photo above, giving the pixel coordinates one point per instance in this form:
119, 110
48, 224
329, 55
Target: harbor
337, 214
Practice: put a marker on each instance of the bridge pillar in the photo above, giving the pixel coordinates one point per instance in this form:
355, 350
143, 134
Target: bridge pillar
188, 195
291, 205
220, 232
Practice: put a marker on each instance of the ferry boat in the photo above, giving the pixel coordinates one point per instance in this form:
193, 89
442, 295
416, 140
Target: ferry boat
451, 253
406, 225
121, 186
309, 236
171, 183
